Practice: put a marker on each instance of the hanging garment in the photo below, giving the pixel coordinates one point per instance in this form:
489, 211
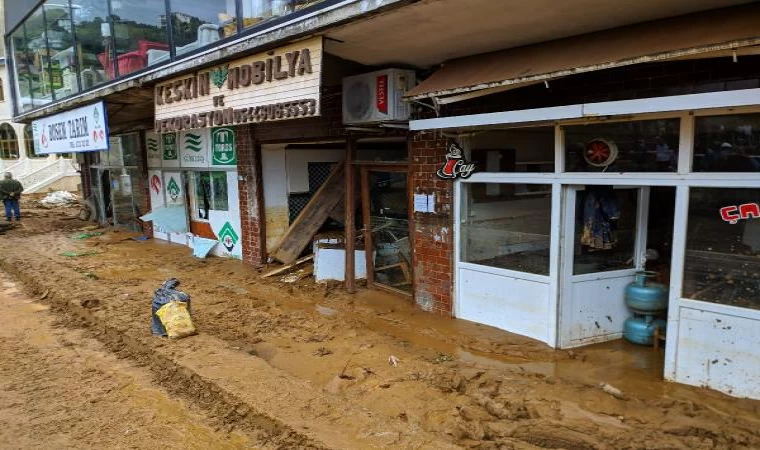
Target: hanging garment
600, 213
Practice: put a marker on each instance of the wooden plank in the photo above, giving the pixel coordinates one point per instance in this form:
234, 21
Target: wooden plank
311, 218
287, 267
350, 207
367, 228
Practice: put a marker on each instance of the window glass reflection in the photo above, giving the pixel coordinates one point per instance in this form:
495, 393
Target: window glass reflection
139, 34
198, 23
63, 64
23, 74
39, 69
257, 11
727, 143
93, 35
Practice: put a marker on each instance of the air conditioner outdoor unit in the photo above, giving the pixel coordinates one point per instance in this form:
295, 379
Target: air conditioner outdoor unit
376, 97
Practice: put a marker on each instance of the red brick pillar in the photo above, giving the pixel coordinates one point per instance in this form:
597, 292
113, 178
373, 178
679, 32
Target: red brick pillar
251, 196
433, 239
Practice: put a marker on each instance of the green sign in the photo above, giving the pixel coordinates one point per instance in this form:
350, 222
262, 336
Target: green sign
228, 237
152, 145
170, 146
193, 142
173, 189
223, 147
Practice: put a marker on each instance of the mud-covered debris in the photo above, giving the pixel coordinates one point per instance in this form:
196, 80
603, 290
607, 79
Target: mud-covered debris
323, 351
442, 358
613, 391
393, 361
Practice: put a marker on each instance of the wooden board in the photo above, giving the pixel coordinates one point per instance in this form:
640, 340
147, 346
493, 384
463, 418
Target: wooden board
312, 217
287, 267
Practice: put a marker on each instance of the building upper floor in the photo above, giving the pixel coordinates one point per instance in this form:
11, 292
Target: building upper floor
65, 53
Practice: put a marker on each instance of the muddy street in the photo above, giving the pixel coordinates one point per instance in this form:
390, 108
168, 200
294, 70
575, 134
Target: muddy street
62, 389
281, 364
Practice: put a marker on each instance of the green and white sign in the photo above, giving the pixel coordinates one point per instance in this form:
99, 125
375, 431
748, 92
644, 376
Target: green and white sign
223, 150
170, 146
153, 144
194, 149
228, 237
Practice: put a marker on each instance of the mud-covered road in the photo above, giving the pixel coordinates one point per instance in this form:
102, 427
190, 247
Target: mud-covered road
299, 365
60, 389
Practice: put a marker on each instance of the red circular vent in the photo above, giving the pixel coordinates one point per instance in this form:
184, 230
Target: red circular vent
600, 152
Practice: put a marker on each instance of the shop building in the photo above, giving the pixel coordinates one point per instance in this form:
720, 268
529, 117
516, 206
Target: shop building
595, 161
543, 167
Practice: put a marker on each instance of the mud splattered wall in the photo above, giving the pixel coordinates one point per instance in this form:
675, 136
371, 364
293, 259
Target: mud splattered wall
433, 241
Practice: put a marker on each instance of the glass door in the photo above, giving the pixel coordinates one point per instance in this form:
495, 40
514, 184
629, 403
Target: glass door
603, 246
385, 200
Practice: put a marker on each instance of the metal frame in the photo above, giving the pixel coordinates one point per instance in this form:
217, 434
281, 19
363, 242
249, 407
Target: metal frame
684, 178
368, 240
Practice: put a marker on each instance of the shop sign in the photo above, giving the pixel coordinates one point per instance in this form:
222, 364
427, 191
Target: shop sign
173, 189
170, 146
82, 129
223, 147
153, 146
277, 85
228, 237
733, 213
194, 148
456, 165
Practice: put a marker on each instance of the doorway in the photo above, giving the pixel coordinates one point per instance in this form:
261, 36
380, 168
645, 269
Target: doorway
385, 212
608, 237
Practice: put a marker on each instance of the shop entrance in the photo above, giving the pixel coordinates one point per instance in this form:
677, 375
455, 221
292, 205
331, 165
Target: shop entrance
385, 210
606, 240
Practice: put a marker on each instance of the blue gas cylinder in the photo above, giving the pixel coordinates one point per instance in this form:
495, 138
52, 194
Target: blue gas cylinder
640, 330
646, 297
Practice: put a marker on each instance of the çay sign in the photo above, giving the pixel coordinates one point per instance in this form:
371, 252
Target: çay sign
82, 129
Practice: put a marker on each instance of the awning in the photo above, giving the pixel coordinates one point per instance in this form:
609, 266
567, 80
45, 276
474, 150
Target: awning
680, 37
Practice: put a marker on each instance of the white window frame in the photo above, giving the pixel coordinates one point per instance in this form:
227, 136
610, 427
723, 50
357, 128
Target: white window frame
686, 108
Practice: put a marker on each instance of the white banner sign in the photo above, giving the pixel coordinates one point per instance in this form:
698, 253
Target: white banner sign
82, 129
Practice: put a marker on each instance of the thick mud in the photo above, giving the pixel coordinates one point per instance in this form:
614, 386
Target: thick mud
61, 389
456, 383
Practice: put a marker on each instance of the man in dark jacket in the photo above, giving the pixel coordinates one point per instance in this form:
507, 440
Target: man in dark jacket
10, 192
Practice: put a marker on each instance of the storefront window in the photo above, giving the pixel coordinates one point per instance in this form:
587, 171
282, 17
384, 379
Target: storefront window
258, 11
528, 150
637, 146
722, 263
605, 229
8, 142
63, 64
39, 70
198, 23
93, 35
23, 73
727, 143
210, 190
501, 229
139, 34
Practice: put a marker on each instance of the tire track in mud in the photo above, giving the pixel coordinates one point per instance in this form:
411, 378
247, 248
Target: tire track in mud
222, 407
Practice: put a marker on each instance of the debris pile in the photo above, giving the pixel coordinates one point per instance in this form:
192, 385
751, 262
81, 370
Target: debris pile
60, 198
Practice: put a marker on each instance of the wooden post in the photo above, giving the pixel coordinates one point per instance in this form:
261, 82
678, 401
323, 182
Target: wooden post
367, 228
350, 207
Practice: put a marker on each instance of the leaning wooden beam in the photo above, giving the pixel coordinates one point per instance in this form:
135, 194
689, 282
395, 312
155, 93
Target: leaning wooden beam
287, 267
311, 218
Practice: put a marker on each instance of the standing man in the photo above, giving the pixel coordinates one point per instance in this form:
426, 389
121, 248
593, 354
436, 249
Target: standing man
10, 192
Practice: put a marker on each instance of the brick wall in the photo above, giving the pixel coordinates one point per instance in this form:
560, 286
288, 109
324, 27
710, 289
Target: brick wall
251, 197
433, 239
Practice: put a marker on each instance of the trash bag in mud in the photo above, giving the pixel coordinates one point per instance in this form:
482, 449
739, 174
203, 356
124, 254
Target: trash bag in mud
176, 319
166, 293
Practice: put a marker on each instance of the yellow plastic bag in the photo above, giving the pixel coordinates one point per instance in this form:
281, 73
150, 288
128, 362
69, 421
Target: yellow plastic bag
176, 319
